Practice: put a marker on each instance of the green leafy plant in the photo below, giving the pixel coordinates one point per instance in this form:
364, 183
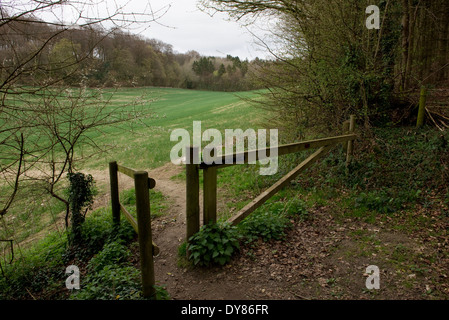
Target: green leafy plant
97, 231
116, 282
113, 282
383, 201
213, 244
296, 208
161, 293
266, 225
114, 253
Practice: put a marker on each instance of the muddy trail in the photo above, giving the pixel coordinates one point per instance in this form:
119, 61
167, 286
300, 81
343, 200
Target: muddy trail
320, 258
169, 233
169, 230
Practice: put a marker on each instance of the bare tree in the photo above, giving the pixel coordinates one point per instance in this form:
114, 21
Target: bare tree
44, 117
65, 120
328, 64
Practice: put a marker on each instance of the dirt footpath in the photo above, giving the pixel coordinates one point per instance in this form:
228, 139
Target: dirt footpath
324, 257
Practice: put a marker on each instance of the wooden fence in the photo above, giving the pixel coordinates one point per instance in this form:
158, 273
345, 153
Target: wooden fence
142, 226
210, 176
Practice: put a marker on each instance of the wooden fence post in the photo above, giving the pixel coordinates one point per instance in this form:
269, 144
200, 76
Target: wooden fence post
115, 202
144, 232
345, 131
350, 146
422, 107
345, 127
209, 195
192, 193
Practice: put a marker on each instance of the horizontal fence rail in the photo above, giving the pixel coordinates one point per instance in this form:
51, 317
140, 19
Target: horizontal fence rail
264, 196
261, 154
221, 161
134, 224
130, 173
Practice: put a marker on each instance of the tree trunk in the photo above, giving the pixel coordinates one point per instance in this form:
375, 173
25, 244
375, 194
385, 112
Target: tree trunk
405, 43
411, 43
444, 43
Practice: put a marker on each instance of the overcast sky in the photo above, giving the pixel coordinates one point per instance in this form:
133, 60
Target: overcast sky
187, 28
179, 23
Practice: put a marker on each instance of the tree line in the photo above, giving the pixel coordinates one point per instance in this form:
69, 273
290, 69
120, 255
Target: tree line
52, 97
96, 57
329, 64
47, 111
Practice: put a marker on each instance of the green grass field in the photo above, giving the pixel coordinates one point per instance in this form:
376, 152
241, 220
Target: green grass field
142, 144
147, 144
389, 202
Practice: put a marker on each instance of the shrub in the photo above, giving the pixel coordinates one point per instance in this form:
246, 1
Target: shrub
114, 253
110, 283
95, 233
381, 201
111, 277
296, 208
266, 225
213, 244
33, 269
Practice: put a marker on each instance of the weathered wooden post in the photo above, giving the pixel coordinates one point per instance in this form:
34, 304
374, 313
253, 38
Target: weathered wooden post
192, 192
209, 195
422, 107
350, 146
345, 131
144, 232
115, 201
345, 127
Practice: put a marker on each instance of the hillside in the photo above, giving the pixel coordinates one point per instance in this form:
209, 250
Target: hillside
339, 222
95, 57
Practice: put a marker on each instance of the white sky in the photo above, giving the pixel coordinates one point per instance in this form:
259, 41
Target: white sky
187, 28
180, 23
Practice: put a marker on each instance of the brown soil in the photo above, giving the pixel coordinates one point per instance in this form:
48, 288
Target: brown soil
324, 257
